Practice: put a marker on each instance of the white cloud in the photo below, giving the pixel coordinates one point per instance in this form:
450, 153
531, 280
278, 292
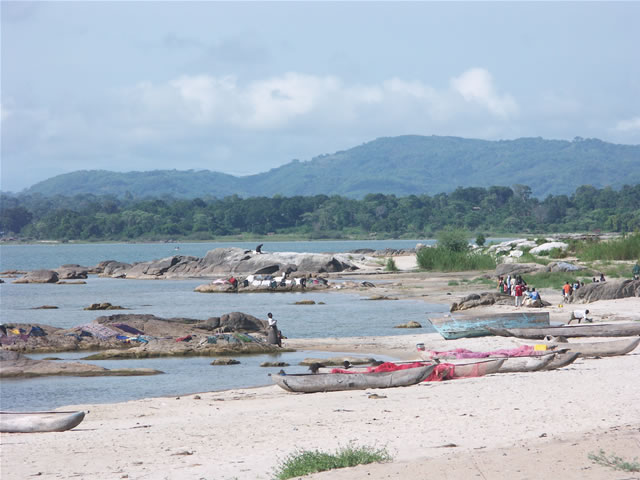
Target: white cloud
292, 99
476, 85
629, 125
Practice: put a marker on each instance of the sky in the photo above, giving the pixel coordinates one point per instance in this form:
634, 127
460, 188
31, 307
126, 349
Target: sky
242, 88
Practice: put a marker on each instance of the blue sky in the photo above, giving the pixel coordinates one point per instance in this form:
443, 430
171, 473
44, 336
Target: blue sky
242, 88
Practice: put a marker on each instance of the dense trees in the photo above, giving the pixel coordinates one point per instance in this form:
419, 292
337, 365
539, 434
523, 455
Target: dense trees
494, 209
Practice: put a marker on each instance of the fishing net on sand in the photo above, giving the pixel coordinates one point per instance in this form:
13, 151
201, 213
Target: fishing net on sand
442, 371
522, 351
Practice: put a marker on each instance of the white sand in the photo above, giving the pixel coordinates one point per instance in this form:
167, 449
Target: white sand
505, 426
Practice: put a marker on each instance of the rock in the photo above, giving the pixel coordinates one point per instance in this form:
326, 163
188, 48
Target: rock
562, 267
409, 325
231, 260
238, 321
305, 302
225, 361
103, 306
274, 364
39, 276
337, 361
545, 247
73, 282
14, 364
516, 253
45, 307
72, 272
112, 268
609, 290
487, 298
381, 297
513, 269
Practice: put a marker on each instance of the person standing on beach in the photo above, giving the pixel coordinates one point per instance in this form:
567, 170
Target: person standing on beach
518, 290
273, 334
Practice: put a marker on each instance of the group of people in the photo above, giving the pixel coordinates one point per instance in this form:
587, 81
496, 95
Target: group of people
517, 288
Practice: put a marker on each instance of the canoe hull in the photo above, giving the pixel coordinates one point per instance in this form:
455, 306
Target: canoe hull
333, 382
456, 326
600, 349
32, 422
590, 330
476, 369
526, 364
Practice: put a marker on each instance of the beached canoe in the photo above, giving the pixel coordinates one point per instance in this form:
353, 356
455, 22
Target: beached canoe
332, 382
526, 364
561, 360
610, 348
477, 369
31, 422
457, 325
626, 329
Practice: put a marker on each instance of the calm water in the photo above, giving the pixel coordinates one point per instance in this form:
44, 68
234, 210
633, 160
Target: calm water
342, 315
32, 257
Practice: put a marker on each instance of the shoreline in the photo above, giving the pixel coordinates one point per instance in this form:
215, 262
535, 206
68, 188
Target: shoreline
503, 426
189, 436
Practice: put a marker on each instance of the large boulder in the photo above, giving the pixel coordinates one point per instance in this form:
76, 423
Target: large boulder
562, 267
112, 268
39, 276
609, 290
72, 272
489, 298
241, 322
159, 268
513, 269
545, 247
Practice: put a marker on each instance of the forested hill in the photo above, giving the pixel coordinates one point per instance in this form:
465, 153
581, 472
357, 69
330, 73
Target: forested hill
395, 165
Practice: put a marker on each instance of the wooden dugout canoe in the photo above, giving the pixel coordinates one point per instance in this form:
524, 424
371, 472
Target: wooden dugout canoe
610, 348
526, 364
31, 422
626, 329
455, 326
333, 382
562, 360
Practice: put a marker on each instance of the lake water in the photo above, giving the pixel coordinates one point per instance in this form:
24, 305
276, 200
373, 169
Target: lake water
341, 315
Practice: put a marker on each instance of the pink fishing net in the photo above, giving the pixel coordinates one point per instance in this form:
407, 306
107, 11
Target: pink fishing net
442, 371
523, 351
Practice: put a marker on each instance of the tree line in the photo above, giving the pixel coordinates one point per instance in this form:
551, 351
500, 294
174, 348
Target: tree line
494, 210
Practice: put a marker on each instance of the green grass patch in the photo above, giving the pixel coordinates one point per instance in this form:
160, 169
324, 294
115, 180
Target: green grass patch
615, 462
627, 248
445, 260
453, 283
391, 265
306, 462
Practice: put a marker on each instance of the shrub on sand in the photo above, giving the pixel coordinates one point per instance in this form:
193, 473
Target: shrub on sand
305, 462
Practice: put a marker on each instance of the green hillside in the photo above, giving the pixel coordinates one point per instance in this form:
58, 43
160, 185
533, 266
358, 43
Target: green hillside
395, 165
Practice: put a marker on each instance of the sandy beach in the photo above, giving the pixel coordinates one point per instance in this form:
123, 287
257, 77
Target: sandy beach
504, 426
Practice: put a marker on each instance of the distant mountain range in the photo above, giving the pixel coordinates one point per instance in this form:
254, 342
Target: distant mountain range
394, 165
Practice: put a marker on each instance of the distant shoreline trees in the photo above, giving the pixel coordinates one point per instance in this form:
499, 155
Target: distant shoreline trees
494, 209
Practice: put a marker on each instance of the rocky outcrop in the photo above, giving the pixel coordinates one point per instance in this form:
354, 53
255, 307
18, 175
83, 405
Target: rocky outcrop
103, 306
111, 268
546, 247
562, 267
16, 365
609, 290
39, 276
72, 272
145, 336
513, 269
229, 261
488, 298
